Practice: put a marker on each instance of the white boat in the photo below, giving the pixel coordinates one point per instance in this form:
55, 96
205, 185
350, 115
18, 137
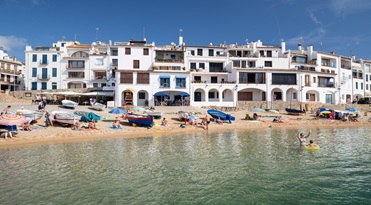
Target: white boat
64, 117
155, 114
98, 106
69, 104
30, 114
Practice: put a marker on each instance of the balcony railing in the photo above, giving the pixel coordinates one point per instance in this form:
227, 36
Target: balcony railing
74, 68
42, 77
42, 62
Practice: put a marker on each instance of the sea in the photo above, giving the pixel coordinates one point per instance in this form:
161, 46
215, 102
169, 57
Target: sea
265, 166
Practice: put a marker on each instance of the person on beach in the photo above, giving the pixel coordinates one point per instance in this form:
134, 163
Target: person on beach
207, 118
311, 144
76, 126
48, 121
302, 138
26, 126
219, 121
92, 125
164, 122
6, 134
6, 110
116, 124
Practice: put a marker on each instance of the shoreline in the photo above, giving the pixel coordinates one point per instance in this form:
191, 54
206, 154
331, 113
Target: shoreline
59, 134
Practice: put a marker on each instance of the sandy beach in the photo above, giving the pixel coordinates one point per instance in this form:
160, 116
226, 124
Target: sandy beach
59, 134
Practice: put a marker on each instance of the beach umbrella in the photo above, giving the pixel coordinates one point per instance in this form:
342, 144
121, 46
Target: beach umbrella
326, 112
160, 94
139, 109
12, 119
117, 111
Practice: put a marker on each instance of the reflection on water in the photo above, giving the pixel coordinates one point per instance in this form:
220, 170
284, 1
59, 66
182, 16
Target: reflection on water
264, 166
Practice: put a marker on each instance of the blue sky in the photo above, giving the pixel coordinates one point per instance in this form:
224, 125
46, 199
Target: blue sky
343, 26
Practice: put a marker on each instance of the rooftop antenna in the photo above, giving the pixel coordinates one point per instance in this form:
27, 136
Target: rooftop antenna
75, 36
144, 32
301, 40
180, 32
320, 45
63, 38
96, 34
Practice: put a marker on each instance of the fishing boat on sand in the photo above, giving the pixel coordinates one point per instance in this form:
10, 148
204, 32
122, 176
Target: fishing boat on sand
183, 116
155, 114
141, 120
30, 114
69, 104
219, 114
64, 117
97, 106
292, 111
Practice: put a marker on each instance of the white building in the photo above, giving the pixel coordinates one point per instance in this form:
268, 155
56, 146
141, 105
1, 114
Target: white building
11, 69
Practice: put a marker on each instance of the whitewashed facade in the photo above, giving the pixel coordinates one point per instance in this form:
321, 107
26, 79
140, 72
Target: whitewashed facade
142, 74
11, 69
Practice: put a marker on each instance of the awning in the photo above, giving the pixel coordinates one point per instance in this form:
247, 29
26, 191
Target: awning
160, 94
183, 77
164, 76
99, 93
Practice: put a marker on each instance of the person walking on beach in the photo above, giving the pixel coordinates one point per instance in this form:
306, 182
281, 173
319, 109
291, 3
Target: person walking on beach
302, 138
6, 110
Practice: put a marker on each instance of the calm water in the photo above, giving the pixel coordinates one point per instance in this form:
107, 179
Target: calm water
260, 167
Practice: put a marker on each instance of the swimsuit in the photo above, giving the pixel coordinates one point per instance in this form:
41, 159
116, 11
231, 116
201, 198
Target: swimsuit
302, 140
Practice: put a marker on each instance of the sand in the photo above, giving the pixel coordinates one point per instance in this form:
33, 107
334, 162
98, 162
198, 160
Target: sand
59, 134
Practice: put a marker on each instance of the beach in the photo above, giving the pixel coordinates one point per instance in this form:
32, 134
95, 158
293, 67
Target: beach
59, 134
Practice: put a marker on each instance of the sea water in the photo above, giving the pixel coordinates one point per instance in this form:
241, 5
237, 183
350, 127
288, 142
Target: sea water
256, 167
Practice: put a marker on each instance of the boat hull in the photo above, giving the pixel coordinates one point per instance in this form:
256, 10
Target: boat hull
65, 118
146, 121
219, 114
156, 115
98, 106
30, 114
69, 104
292, 111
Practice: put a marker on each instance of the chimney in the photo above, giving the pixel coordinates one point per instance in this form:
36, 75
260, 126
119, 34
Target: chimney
283, 46
310, 52
300, 47
110, 42
180, 40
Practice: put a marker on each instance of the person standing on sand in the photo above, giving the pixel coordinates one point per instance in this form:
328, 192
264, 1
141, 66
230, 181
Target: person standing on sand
302, 138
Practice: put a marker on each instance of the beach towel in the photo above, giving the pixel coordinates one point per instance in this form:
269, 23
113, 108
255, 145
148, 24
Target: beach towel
114, 128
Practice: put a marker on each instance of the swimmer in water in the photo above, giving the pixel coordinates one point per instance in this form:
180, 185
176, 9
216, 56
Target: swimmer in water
311, 144
302, 138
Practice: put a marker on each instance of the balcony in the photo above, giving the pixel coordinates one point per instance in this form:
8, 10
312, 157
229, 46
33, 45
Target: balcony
99, 77
43, 77
175, 68
75, 68
169, 60
44, 62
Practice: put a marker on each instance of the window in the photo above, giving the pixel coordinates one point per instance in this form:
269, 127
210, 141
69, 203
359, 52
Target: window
164, 82
76, 75
214, 79
267, 63
76, 64
366, 78
251, 78
135, 63
199, 52
215, 67
127, 51
193, 65
44, 59
114, 52
115, 62
34, 72
143, 78
126, 78
213, 95
269, 53
142, 96
62, 45
95, 85
236, 63
180, 82
34, 86
201, 65
43, 86
192, 52
197, 78
54, 86
44, 73
211, 52
361, 86
145, 51
54, 58
34, 58
283, 79
80, 54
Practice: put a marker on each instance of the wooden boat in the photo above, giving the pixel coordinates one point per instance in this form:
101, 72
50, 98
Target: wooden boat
155, 114
142, 120
292, 111
219, 114
64, 117
30, 114
183, 116
69, 104
98, 106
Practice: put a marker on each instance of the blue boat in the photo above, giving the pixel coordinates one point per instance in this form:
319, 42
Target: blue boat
219, 114
292, 111
141, 120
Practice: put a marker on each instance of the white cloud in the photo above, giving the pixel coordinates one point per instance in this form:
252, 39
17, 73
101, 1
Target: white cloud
12, 42
345, 7
314, 18
310, 38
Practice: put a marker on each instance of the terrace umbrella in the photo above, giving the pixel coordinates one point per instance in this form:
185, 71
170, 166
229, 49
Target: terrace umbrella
12, 119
